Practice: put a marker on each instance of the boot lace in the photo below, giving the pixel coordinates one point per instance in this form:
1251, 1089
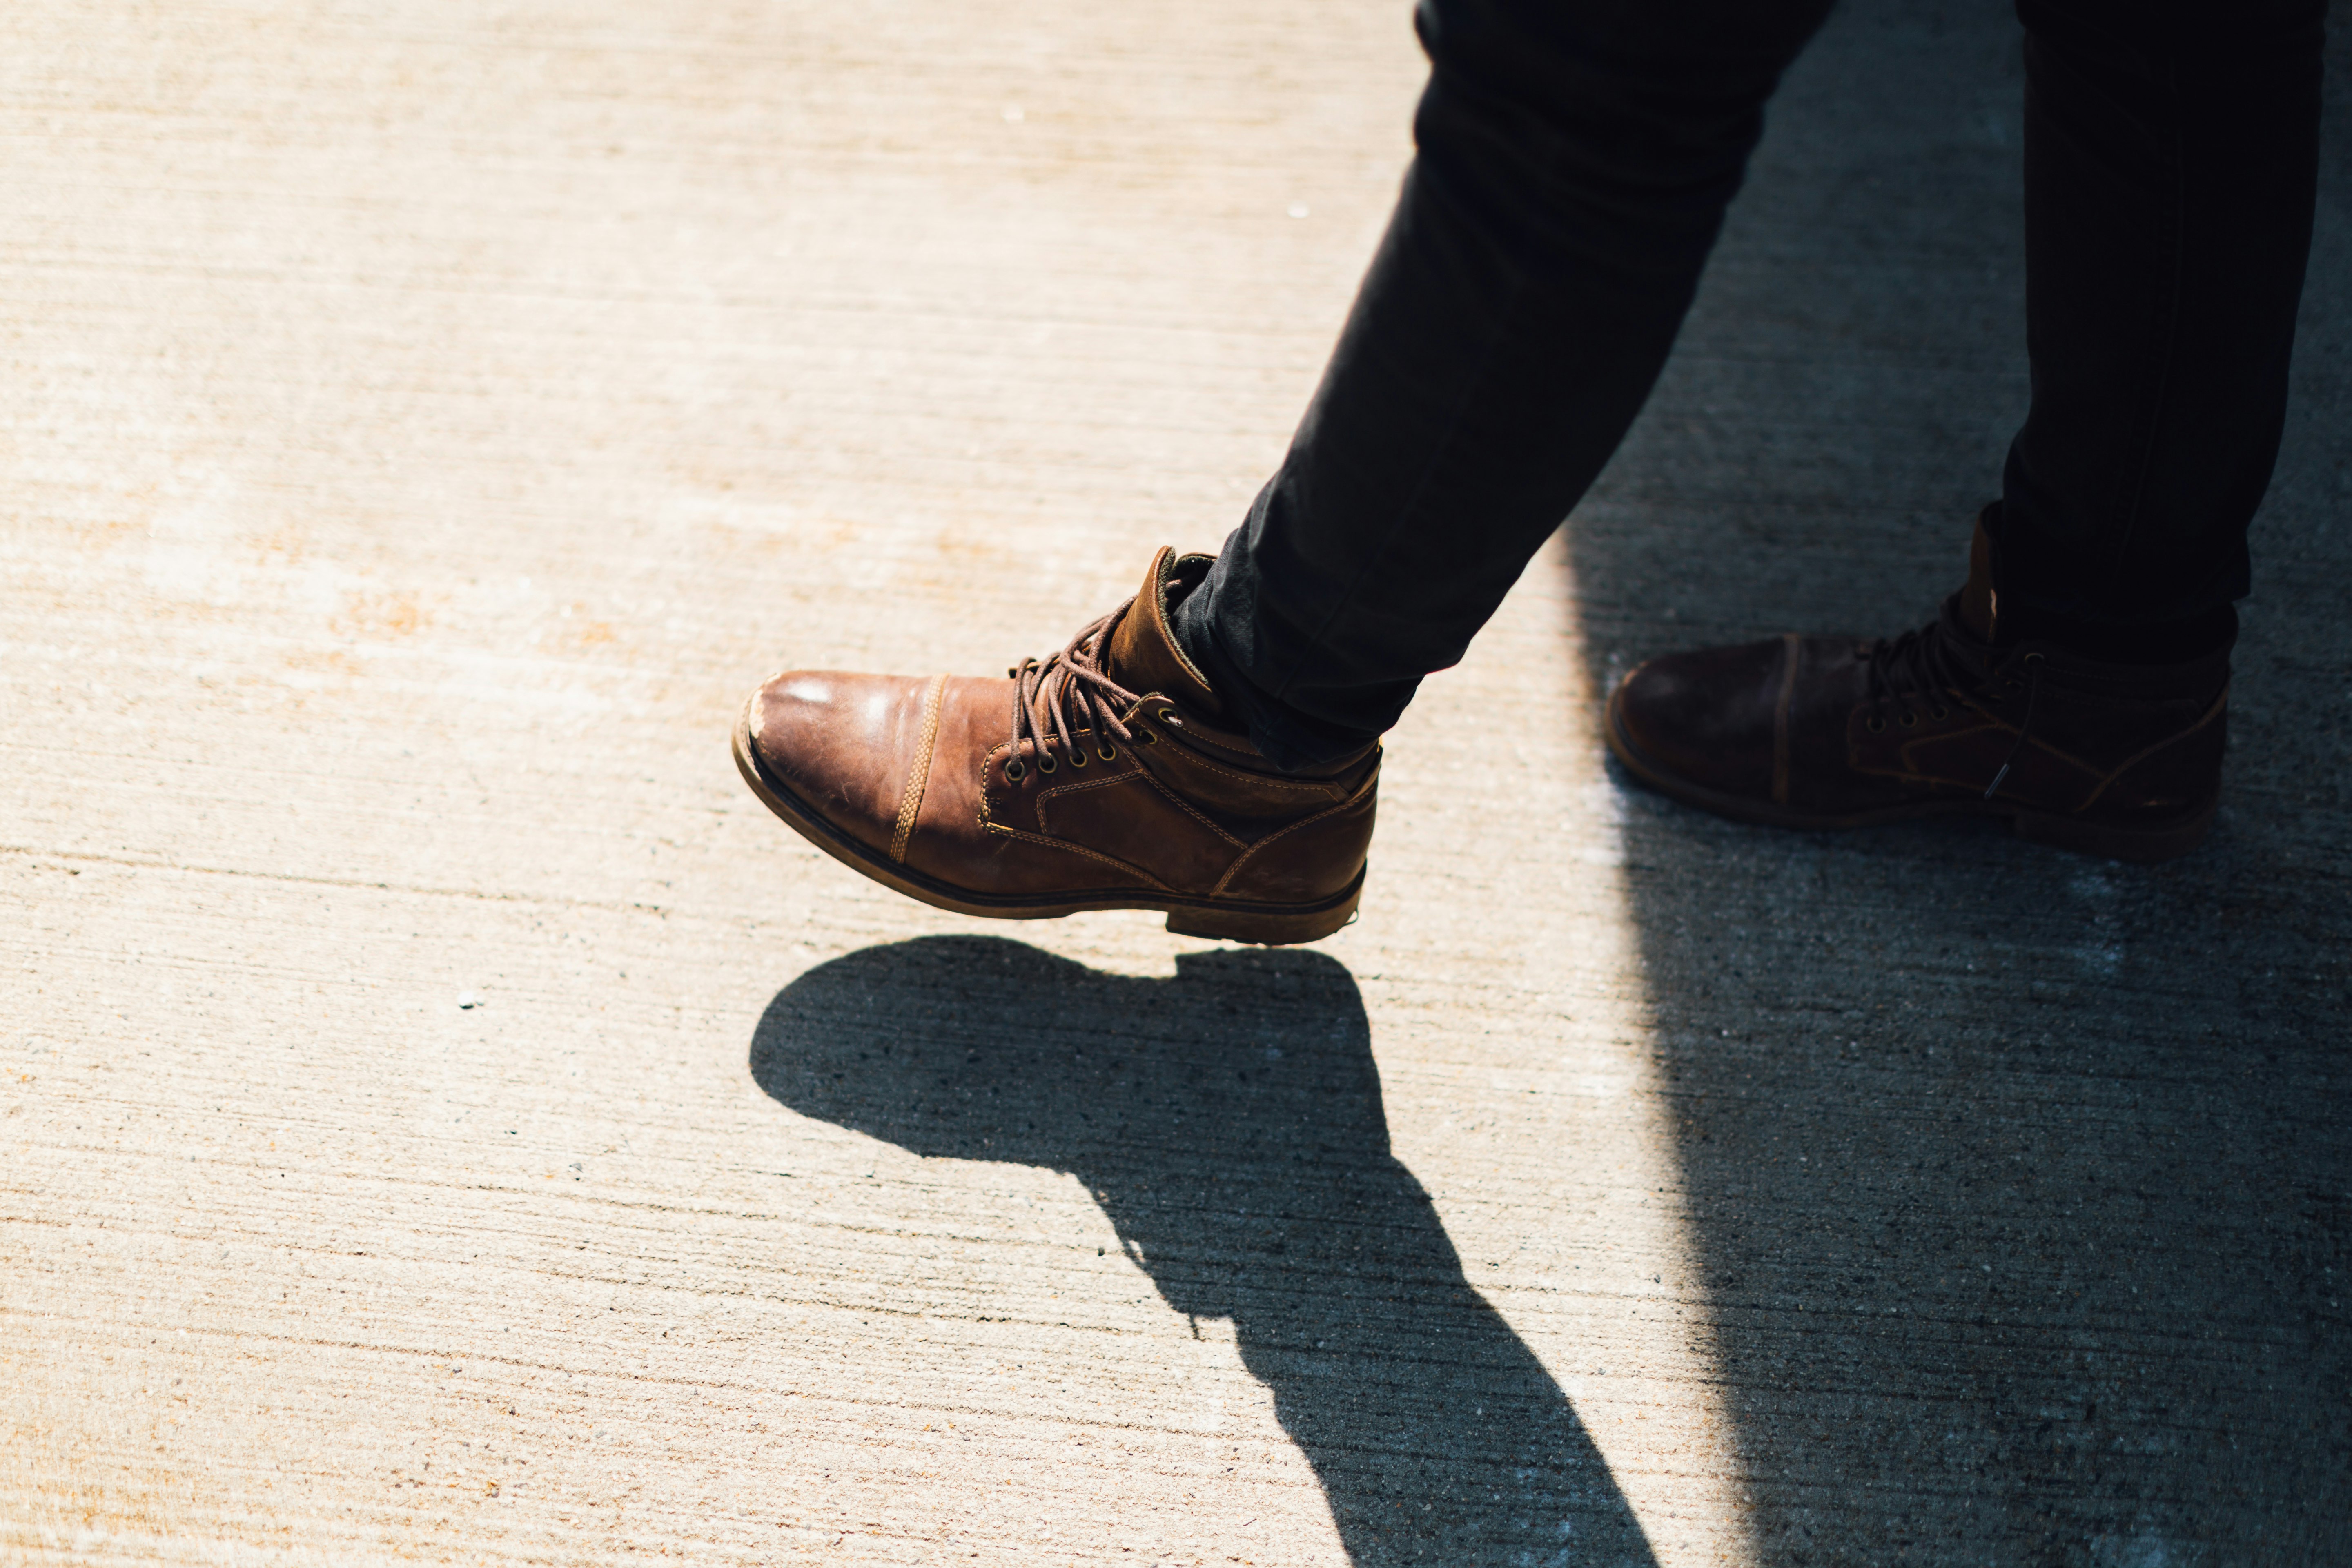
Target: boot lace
1065, 693
1921, 666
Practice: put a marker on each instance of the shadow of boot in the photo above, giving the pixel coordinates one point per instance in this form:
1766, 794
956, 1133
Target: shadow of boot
1229, 1123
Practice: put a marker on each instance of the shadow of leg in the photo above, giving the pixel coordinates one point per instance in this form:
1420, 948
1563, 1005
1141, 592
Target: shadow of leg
1229, 1123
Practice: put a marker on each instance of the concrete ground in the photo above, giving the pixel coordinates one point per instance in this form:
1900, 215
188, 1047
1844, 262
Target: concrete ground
443, 1117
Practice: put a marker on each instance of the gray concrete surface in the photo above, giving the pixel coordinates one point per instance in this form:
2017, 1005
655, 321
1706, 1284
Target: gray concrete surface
423, 423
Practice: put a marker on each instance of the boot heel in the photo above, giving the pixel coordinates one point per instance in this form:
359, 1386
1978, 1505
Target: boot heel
2111, 841
1267, 928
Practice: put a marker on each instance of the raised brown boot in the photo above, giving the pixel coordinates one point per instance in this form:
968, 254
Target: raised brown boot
1099, 778
2117, 760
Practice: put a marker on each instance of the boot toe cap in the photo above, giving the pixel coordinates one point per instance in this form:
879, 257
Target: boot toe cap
838, 744
1704, 718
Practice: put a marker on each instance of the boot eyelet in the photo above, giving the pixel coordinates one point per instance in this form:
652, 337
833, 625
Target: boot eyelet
1874, 723
1078, 756
1015, 769
1908, 720
1047, 765
1939, 712
1168, 716
1109, 754
1146, 738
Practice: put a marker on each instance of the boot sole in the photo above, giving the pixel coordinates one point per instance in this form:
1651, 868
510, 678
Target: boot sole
1220, 920
2139, 844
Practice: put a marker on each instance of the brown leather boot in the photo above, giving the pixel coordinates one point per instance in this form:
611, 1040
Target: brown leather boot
1096, 779
2117, 760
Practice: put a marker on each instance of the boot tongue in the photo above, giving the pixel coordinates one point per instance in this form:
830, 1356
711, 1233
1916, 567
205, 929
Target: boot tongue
1979, 610
1141, 652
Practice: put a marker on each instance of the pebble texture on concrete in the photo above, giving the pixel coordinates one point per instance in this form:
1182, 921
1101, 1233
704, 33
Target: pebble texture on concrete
443, 1117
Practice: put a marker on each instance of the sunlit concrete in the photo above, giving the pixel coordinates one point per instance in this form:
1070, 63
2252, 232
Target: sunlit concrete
443, 1117
423, 428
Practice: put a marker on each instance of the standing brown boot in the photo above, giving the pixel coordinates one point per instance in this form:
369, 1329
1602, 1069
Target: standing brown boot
2117, 760
1099, 778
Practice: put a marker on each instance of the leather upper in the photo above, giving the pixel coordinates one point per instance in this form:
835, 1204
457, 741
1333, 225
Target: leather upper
927, 771
1796, 723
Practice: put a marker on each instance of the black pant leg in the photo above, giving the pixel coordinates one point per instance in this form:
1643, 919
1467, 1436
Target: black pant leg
1574, 161
2171, 159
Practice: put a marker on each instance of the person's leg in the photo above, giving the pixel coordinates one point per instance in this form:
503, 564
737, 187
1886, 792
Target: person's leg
2078, 683
1574, 162
2171, 160
1576, 156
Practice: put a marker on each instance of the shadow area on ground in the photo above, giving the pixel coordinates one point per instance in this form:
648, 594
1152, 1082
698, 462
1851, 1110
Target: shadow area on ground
1229, 1121
2021, 1183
